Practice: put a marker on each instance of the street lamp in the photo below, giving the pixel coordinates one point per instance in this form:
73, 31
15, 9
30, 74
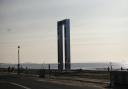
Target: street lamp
18, 66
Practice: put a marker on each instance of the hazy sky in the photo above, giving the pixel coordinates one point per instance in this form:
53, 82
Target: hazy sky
99, 30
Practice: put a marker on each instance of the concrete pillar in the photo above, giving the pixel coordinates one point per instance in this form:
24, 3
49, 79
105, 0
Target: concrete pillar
60, 47
66, 33
67, 44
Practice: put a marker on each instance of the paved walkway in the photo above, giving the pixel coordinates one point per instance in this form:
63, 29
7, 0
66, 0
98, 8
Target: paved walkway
8, 81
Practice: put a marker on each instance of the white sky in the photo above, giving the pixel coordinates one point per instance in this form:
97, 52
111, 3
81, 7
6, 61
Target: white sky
99, 30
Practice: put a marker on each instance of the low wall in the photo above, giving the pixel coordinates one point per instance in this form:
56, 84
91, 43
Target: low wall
119, 78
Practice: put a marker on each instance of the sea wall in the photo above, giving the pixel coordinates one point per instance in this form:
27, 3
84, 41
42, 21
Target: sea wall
119, 78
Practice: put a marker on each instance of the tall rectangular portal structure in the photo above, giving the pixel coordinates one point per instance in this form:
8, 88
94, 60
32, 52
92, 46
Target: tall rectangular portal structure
66, 24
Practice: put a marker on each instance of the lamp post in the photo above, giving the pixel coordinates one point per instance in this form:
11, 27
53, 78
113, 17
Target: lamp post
18, 66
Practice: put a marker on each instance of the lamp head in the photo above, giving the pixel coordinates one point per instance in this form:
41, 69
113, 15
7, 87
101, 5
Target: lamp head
18, 46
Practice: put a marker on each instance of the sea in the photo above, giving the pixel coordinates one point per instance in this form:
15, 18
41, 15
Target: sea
84, 66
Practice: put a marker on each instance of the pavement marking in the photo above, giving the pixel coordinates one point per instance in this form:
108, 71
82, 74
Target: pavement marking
19, 85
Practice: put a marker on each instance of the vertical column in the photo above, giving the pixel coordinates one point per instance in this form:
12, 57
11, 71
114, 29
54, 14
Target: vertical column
67, 44
60, 46
18, 66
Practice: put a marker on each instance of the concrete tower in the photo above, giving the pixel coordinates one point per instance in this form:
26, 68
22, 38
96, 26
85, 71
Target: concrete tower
66, 24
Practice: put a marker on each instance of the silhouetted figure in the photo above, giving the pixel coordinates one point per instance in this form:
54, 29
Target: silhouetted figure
108, 69
12, 69
111, 65
9, 69
121, 68
49, 68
